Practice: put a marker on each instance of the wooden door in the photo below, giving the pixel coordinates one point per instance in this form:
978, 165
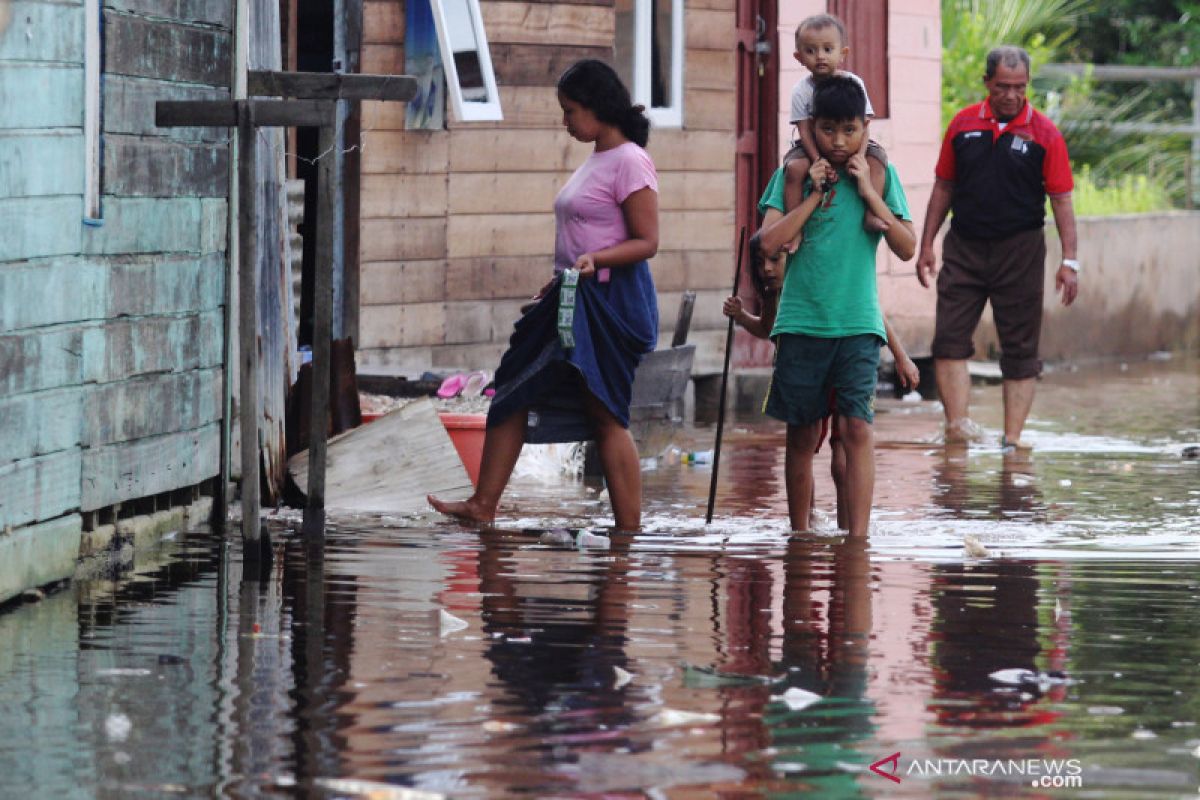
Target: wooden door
757, 140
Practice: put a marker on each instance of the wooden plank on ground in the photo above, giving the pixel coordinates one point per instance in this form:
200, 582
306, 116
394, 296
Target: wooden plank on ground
391, 464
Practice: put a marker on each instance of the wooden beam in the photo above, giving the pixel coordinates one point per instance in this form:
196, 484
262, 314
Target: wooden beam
332, 86
224, 113
248, 334
1114, 72
314, 508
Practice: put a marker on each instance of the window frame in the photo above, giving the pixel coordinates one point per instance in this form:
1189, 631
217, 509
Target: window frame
662, 116
467, 111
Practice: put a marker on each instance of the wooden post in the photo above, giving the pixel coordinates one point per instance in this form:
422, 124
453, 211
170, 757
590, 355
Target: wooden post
314, 510
248, 328
317, 108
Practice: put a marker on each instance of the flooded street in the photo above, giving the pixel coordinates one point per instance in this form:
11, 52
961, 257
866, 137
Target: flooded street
414, 658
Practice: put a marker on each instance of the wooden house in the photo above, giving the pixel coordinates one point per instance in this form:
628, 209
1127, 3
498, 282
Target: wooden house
455, 225
112, 270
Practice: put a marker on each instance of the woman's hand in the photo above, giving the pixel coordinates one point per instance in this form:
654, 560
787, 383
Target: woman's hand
586, 265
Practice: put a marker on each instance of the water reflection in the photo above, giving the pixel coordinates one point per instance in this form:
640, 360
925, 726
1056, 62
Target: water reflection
723, 661
826, 650
1010, 491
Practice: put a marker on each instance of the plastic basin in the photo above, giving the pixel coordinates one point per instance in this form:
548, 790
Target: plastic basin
467, 432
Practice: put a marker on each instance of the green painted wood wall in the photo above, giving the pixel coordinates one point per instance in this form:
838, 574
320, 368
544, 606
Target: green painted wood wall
110, 335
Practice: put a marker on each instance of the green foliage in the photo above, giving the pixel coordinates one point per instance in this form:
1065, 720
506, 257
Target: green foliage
1117, 173
970, 28
1127, 194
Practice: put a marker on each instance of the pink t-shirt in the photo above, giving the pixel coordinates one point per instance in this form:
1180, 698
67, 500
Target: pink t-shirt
587, 210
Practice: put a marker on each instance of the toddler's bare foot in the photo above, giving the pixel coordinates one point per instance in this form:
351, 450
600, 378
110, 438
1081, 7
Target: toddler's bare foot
873, 223
469, 510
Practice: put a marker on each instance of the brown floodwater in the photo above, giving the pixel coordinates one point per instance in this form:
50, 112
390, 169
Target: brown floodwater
411, 658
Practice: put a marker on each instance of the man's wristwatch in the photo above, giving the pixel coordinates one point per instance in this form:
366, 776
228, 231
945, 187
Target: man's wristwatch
1071, 264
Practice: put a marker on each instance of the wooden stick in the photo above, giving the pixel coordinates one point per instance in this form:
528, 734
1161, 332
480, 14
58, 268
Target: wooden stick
248, 330
314, 509
712, 487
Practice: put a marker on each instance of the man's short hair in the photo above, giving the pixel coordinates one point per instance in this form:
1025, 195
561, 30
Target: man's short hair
1010, 56
818, 21
839, 98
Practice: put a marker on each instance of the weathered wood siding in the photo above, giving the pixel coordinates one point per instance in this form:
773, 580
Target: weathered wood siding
110, 335
458, 225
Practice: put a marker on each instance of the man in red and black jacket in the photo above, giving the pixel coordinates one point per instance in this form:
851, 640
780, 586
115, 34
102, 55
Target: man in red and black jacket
999, 160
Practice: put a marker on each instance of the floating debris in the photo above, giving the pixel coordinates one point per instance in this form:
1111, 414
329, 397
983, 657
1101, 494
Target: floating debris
797, 699
974, 548
448, 623
500, 726
674, 718
559, 537
1018, 676
374, 790
117, 727
586, 539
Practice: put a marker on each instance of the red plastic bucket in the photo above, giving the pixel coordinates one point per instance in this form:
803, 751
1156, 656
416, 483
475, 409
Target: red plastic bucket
467, 432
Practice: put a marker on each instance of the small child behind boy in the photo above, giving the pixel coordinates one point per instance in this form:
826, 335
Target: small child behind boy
821, 48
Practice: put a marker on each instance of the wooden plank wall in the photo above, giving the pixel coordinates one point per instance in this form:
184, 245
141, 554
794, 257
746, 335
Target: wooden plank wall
110, 336
458, 225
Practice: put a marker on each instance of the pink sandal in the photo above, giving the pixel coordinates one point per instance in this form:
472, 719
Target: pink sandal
452, 386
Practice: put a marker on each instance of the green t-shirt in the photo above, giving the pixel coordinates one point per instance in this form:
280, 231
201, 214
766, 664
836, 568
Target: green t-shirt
829, 290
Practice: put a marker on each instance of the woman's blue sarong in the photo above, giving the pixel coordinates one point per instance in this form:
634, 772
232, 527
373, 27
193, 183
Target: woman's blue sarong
615, 324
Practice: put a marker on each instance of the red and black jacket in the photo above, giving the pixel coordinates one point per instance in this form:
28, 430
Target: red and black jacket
1001, 178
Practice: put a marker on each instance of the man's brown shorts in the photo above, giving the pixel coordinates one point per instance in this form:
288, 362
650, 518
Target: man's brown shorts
1010, 272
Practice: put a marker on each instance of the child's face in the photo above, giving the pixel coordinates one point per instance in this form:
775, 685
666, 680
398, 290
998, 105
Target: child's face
837, 140
821, 50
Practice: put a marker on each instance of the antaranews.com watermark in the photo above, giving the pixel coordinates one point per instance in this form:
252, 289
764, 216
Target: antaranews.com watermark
1041, 773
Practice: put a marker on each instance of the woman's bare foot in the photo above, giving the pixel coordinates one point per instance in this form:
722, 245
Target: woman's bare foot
469, 510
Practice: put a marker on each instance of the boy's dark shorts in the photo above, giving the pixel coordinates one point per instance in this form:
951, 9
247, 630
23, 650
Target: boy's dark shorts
1009, 273
808, 367
874, 150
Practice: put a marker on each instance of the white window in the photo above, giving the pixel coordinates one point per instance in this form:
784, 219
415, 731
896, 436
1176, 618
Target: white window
649, 56
91, 110
466, 60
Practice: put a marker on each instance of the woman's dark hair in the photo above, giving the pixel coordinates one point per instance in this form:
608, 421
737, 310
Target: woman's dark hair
596, 86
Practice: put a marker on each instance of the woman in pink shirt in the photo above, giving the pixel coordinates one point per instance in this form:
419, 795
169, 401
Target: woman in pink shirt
572, 357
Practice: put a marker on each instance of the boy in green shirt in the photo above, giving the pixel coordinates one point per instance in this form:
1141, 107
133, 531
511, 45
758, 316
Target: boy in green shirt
829, 328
